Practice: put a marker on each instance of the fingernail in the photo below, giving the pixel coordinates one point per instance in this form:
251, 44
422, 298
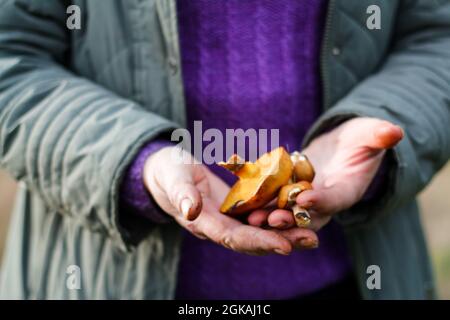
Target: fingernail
186, 205
309, 243
279, 251
281, 225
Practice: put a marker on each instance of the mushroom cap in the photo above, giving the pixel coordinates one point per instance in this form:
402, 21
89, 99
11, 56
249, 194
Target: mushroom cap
259, 182
233, 164
303, 169
288, 193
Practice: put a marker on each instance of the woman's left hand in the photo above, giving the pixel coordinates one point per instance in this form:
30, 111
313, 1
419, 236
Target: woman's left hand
346, 160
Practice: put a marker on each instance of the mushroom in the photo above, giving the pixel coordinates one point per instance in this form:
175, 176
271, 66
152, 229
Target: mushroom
259, 182
234, 164
303, 169
286, 200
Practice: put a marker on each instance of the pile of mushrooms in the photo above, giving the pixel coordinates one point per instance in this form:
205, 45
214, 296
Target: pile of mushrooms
274, 174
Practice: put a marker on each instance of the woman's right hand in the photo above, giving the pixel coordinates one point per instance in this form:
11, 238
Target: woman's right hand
192, 194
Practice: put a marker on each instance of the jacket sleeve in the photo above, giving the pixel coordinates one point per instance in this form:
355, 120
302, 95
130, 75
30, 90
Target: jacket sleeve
67, 138
411, 89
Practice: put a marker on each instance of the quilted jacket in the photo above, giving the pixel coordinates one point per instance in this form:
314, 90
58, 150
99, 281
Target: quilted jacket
76, 106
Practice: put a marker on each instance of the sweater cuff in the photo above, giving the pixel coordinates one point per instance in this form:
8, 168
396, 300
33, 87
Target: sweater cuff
134, 196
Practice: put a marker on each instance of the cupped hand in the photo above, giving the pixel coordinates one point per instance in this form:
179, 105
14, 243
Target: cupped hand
192, 194
346, 160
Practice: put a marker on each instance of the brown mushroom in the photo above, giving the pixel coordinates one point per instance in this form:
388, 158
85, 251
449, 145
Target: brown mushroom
286, 200
233, 164
258, 183
303, 169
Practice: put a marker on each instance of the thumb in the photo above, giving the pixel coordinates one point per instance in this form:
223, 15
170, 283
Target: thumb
384, 135
186, 198
327, 201
173, 184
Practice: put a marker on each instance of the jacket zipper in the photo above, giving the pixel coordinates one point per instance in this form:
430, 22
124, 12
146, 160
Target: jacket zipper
324, 52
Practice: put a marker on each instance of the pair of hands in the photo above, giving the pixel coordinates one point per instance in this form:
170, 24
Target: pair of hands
345, 159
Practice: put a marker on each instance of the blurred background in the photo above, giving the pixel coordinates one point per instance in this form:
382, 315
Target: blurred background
434, 200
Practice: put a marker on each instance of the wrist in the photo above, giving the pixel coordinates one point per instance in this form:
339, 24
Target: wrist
134, 194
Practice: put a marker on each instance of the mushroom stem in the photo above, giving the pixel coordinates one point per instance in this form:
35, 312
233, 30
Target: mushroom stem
301, 216
286, 200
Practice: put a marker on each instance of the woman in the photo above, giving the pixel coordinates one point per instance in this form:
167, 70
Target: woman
86, 117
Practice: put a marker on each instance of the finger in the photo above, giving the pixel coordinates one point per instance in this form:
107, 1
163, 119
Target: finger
174, 182
186, 197
318, 221
384, 135
258, 217
325, 201
281, 219
301, 238
183, 195
254, 240
232, 234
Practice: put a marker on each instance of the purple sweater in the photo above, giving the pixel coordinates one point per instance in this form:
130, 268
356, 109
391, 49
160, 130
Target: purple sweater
249, 64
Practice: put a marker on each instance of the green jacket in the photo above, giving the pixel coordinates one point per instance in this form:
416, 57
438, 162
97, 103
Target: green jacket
76, 106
